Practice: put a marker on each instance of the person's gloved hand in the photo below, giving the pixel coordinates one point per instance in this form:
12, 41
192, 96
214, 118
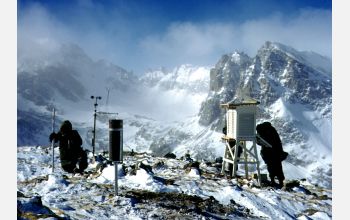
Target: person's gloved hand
52, 136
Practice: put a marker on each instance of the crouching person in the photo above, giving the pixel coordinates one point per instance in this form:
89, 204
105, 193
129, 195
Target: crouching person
73, 157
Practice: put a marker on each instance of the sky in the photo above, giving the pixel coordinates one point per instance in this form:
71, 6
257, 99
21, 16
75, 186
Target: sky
148, 34
138, 35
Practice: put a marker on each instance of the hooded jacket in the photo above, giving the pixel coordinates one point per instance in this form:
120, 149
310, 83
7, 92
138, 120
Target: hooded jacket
69, 142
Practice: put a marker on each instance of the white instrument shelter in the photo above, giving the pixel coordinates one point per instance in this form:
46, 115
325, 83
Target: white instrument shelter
241, 132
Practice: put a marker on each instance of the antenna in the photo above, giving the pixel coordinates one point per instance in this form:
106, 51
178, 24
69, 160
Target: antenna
108, 89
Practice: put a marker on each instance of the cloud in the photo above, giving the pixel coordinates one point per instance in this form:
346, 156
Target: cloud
39, 33
102, 35
310, 30
138, 43
188, 43
205, 43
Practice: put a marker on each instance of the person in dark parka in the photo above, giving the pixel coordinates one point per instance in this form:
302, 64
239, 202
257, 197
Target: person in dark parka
71, 152
272, 156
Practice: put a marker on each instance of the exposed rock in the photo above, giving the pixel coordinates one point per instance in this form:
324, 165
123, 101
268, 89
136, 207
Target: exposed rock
146, 167
170, 155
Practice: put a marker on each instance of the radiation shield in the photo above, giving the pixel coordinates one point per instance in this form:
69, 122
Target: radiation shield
116, 140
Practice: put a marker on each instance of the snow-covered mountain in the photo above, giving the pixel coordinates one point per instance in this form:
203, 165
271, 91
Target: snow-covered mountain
193, 80
65, 81
178, 110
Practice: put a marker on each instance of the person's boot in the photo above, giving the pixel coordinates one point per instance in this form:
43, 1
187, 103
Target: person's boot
280, 183
273, 183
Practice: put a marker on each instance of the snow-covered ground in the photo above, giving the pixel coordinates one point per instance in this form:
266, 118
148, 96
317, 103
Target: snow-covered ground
156, 188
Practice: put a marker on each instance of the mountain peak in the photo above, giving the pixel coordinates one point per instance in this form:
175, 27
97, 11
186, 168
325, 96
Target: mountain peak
238, 57
317, 61
270, 47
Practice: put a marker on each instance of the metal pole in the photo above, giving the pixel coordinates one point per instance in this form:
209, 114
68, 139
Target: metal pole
53, 141
116, 146
94, 131
94, 135
116, 178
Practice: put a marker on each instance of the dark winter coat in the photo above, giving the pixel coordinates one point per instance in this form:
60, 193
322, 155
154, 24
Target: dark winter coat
70, 148
269, 134
274, 155
69, 145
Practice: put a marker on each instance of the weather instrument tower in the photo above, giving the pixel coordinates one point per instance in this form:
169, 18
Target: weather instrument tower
241, 132
94, 131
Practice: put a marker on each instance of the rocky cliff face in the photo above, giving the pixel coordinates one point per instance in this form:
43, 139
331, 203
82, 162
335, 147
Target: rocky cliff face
283, 74
226, 80
272, 74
